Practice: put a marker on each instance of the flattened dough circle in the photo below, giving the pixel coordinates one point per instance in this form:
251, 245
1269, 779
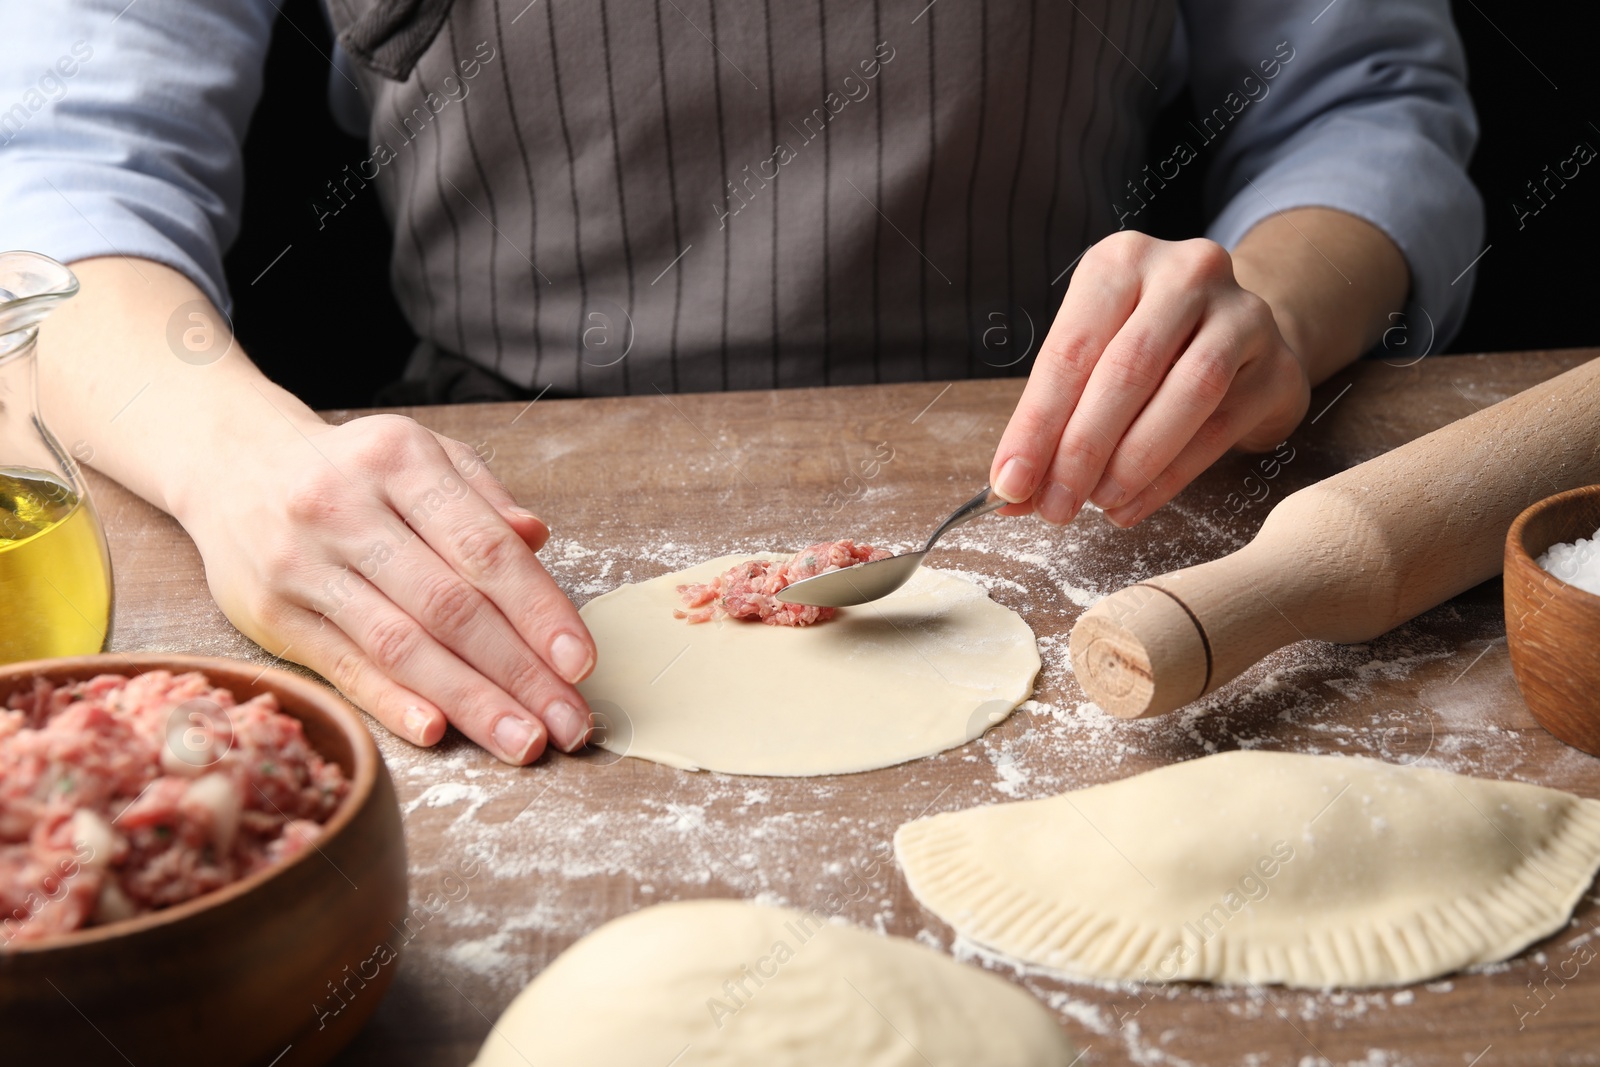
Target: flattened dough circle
927, 668
1309, 871
663, 986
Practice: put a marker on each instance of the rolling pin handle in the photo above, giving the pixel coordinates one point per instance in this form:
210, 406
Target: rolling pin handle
1141, 652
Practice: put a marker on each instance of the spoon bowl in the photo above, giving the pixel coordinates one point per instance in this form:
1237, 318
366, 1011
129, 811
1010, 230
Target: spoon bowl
849, 586
866, 582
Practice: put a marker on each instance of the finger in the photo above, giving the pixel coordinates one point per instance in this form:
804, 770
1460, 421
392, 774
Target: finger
475, 541
475, 469
1293, 390
535, 534
396, 645
1133, 367
459, 616
1191, 392
323, 647
1216, 435
1099, 299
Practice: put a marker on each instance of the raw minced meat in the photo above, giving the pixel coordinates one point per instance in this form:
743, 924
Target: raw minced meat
120, 795
750, 590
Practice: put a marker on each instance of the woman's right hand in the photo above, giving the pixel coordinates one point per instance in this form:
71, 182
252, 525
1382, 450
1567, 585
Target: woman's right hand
381, 555
388, 559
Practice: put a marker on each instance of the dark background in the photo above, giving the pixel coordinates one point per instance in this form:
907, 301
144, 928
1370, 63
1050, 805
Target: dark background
1532, 77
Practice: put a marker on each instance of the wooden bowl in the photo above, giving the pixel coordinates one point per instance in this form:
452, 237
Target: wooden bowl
1552, 628
288, 962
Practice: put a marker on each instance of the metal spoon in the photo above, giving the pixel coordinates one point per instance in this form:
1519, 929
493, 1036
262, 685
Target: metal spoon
871, 581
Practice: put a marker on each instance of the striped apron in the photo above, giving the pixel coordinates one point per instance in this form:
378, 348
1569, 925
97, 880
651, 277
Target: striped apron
601, 197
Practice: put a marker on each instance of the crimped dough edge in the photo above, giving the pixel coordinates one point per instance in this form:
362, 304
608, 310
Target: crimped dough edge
1488, 924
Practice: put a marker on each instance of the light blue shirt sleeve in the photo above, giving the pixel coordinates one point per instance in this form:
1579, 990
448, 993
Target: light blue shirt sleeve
121, 125
1366, 111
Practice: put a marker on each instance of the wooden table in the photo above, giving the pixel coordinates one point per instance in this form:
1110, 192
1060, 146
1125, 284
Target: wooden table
639, 486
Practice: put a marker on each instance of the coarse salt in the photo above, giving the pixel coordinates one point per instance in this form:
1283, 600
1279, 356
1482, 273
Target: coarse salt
1577, 563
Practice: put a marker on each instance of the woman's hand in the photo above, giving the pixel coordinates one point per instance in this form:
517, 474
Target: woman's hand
391, 561
384, 557
1157, 363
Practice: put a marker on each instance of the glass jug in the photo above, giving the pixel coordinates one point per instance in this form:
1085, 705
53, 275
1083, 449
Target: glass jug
55, 572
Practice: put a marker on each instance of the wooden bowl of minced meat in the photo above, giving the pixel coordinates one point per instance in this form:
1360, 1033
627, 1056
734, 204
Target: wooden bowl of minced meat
201, 862
1552, 596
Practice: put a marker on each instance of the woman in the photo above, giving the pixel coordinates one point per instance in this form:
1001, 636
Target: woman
734, 195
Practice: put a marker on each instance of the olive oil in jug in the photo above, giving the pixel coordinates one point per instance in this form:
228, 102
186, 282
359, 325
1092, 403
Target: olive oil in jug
55, 572
55, 587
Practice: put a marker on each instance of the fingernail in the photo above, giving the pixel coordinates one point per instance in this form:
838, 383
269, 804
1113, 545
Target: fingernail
417, 724
1124, 516
1109, 493
521, 513
568, 725
1015, 482
1056, 503
571, 657
515, 736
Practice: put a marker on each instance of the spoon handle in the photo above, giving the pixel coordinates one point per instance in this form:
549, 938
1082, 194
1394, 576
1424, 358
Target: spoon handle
981, 504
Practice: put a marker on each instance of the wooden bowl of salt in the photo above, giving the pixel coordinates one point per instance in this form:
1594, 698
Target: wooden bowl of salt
1552, 624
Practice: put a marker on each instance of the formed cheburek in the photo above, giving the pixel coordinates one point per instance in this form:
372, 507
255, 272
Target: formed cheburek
928, 667
1309, 871
720, 983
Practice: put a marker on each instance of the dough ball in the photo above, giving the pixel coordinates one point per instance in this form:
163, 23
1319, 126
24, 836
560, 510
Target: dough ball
721, 983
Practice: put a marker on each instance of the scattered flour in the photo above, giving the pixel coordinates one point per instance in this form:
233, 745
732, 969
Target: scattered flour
551, 844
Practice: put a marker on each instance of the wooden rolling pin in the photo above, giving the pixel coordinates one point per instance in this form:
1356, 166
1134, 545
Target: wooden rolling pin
1348, 558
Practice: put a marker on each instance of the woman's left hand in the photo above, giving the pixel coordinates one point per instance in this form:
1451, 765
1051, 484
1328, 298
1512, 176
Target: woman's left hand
1157, 363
